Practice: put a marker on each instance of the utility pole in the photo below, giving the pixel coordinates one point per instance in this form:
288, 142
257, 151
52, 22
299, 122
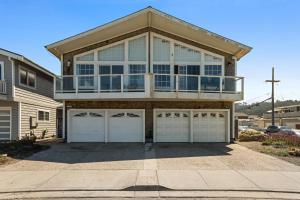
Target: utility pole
273, 81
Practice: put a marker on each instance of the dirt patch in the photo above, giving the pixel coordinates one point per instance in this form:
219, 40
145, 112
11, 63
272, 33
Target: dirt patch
281, 153
11, 152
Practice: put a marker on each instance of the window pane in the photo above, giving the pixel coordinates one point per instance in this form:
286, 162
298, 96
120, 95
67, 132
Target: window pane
183, 53
85, 69
41, 115
115, 53
137, 49
47, 116
212, 59
213, 70
87, 57
31, 79
117, 69
161, 69
137, 69
104, 69
23, 77
161, 50
0, 71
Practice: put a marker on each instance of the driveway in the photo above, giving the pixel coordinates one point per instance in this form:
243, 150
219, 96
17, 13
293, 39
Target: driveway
161, 167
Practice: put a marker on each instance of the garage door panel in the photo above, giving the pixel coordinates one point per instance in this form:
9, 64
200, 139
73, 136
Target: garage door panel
87, 126
5, 123
209, 126
126, 126
172, 126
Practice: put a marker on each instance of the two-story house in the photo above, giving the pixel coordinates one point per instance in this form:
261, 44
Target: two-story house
148, 76
26, 98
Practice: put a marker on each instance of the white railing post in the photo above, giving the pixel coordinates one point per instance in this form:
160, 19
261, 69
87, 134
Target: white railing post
76, 84
221, 84
199, 84
242, 88
122, 83
176, 83
99, 80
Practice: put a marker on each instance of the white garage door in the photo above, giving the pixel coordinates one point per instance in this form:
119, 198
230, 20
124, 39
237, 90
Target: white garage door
87, 126
125, 126
5, 118
90, 125
172, 126
209, 126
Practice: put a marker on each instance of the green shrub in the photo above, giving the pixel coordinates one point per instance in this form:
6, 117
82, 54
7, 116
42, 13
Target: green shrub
28, 139
251, 135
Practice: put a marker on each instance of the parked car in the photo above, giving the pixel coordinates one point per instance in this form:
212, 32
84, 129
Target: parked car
272, 129
289, 132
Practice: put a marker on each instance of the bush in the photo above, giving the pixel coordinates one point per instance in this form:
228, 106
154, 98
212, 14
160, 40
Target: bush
291, 140
295, 152
251, 135
28, 139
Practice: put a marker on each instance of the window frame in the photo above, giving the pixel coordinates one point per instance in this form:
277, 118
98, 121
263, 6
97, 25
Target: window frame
44, 111
27, 77
2, 77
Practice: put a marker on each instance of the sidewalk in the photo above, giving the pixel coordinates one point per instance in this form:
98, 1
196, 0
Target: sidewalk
162, 183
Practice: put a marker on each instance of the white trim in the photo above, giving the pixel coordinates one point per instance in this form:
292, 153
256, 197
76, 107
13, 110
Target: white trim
106, 120
13, 78
191, 120
233, 121
37, 115
20, 120
27, 71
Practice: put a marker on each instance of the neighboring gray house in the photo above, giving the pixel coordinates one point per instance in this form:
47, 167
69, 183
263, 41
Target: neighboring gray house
26, 97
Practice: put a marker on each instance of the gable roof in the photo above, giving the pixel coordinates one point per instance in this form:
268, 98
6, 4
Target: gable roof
148, 17
25, 60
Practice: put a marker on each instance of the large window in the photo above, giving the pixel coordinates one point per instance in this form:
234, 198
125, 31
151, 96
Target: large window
215, 70
161, 50
84, 80
114, 53
43, 115
137, 49
163, 78
27, 78
110, 77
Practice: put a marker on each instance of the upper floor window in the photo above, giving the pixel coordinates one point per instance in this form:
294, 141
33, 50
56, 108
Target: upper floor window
185, 54
215, 70
84, 69
87, 57
43, 115
27, 78
1, 70
114, 53
137, 49
161, 50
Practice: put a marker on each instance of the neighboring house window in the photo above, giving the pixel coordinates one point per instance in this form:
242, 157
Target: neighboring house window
27, 78
43, 115
1, 70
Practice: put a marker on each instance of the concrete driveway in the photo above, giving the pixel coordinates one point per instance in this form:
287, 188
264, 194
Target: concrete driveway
161, 168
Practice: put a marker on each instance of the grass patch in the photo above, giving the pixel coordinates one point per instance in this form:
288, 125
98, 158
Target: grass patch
16, 150
279, 150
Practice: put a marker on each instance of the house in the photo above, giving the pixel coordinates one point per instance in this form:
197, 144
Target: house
26, 98
284, 116
148, 76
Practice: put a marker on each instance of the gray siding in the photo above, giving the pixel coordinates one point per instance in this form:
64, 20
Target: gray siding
7, 75
44, 82
15, 117
30, 110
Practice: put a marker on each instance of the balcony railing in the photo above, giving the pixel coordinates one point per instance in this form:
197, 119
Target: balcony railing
148, 83
3, 87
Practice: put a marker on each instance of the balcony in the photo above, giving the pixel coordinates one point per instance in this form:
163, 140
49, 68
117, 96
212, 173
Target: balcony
3, 87
149, 86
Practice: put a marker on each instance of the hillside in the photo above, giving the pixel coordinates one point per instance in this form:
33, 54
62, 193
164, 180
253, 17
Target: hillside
260, 108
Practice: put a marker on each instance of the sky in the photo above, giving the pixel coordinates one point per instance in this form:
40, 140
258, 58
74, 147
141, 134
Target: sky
270, 27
